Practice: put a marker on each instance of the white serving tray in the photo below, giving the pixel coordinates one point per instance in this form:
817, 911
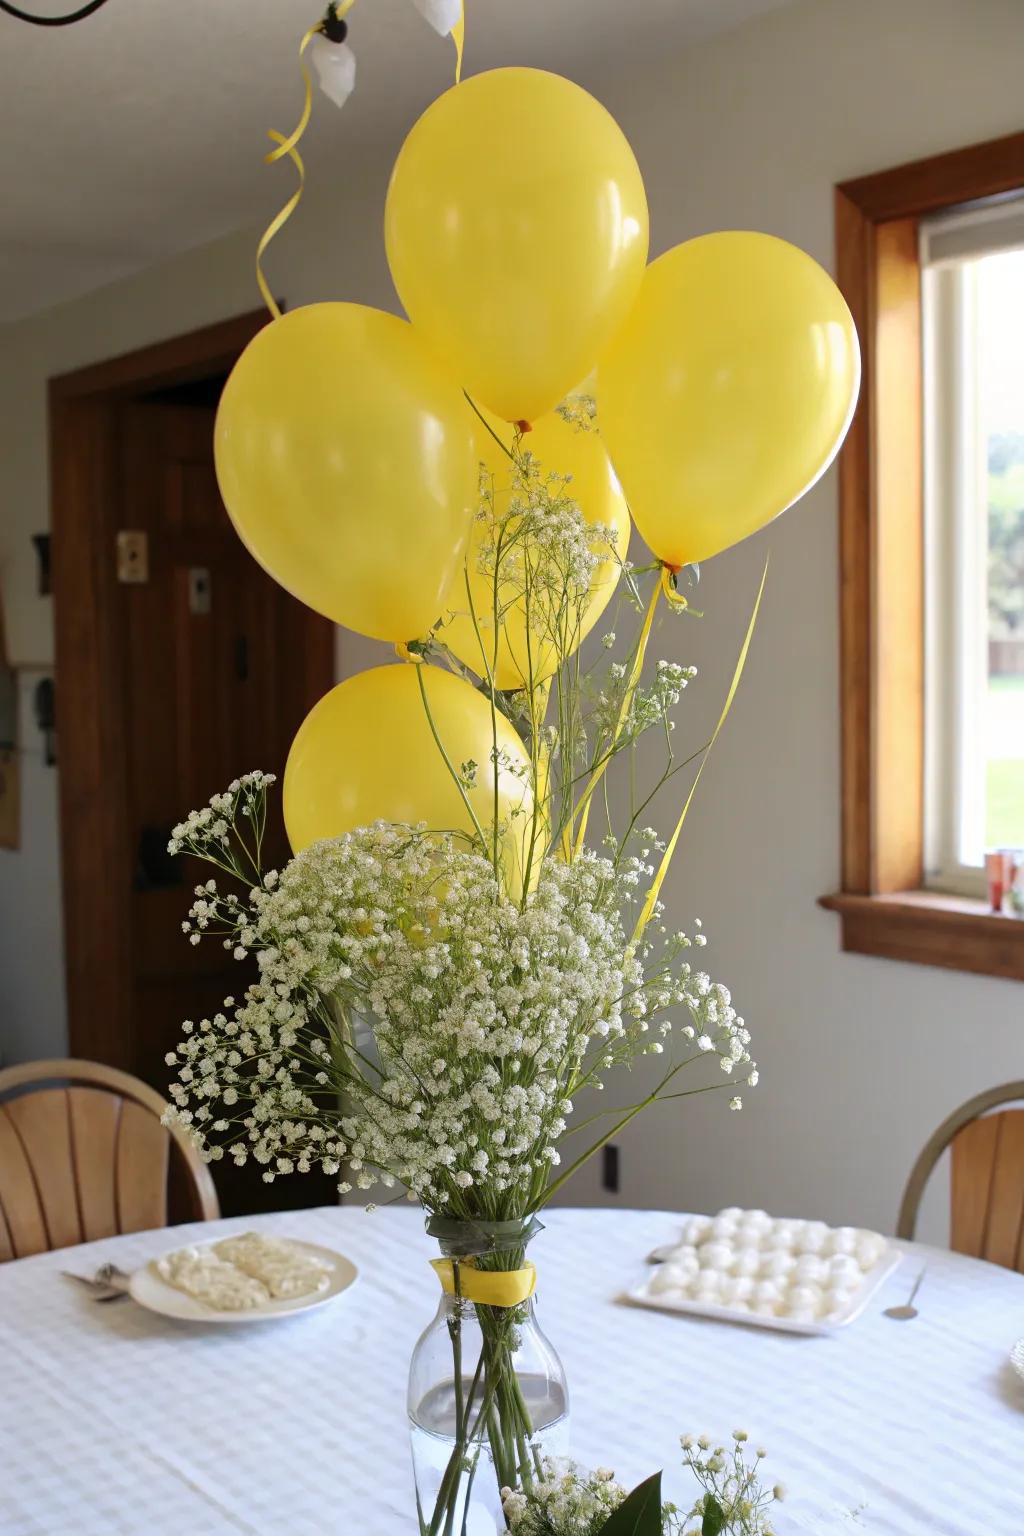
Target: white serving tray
642, 1296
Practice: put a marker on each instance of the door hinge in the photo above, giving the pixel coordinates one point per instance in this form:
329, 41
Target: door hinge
132, 555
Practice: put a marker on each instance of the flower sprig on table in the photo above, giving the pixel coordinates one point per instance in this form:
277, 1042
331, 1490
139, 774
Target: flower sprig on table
568, 1501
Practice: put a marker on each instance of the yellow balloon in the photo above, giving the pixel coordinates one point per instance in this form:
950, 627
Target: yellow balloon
728, 391
563, 450
366, 753
516, 231
346, 460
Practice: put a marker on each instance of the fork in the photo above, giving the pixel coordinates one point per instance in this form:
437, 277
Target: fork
113, 1282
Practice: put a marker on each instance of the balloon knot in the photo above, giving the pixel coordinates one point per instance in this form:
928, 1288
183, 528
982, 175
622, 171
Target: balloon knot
675, 569
524, 426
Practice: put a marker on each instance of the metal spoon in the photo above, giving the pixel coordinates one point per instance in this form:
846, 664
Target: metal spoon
904, 1313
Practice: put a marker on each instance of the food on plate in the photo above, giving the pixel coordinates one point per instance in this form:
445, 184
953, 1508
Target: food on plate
283, 1267
241, 1273
201, 1274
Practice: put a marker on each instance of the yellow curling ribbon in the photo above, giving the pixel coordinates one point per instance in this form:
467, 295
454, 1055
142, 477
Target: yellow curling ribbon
486, 1287
668, 587
459, 39
289, 146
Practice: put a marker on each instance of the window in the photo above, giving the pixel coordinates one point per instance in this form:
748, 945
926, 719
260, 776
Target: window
973, 331
931, 539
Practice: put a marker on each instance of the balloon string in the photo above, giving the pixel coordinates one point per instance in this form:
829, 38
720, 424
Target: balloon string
459, 39
289, 146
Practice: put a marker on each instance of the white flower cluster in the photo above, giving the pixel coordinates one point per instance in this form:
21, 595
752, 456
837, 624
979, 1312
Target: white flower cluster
650, 705
564, 1501
568, 1501
579, 411
203, 831
732, 1494
412, 1023
540, 548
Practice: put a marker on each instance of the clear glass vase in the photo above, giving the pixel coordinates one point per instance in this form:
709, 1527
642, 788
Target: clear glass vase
487, 1392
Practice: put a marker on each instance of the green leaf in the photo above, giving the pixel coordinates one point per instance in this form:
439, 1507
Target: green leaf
714, 1517
639, 1514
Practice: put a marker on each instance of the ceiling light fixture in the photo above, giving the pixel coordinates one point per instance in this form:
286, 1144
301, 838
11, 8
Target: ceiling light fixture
51, 21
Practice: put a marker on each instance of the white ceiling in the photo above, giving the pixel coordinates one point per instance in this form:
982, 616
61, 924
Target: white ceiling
139, 132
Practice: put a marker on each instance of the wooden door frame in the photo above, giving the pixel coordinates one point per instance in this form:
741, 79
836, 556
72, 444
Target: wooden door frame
96, 859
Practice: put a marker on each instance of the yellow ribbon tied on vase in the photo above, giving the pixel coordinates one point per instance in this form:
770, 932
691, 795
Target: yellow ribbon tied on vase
486, 1287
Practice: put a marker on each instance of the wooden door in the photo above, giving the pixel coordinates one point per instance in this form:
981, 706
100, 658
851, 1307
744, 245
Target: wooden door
215, 683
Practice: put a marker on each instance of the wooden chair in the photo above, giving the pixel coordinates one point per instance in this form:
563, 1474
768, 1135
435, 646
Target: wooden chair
83, 1155
987, 1181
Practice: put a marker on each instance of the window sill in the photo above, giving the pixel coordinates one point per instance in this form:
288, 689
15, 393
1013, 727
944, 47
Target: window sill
930, 928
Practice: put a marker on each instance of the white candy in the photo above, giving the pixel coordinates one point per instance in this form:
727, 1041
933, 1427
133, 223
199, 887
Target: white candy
842, 1240
838, 1301
707, 1286
716, 1256
870, 1248
788, 1224
670, 1277
813, 1238
804, 1296
800, 1314
732, 1213
779, 1240
723, 1228
759, 1219
843, 1264
776, 1266
766, 1308
736, 1288
747, 1261
696, 1230
809, 1267
768, 1290
684, 1255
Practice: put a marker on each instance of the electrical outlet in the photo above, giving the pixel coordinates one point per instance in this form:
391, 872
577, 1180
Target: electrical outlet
610, 1168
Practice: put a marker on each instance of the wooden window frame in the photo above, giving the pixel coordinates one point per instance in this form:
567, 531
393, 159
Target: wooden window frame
882, 905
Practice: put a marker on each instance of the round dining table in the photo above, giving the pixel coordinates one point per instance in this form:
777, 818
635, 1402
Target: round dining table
115, 1419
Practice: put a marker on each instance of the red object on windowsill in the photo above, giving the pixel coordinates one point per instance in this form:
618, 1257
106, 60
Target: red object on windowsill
1000, 874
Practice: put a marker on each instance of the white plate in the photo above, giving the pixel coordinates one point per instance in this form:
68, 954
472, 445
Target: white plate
1017, 1357
150, 1290
642, 1296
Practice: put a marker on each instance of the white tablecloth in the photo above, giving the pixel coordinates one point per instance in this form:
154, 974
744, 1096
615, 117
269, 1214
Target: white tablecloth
115, 1420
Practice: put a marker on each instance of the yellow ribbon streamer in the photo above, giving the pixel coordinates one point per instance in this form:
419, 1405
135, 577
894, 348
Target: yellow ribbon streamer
459, 39
487, 1287
652, 894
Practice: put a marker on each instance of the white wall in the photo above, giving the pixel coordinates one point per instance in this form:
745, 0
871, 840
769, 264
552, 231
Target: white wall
860, 1058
